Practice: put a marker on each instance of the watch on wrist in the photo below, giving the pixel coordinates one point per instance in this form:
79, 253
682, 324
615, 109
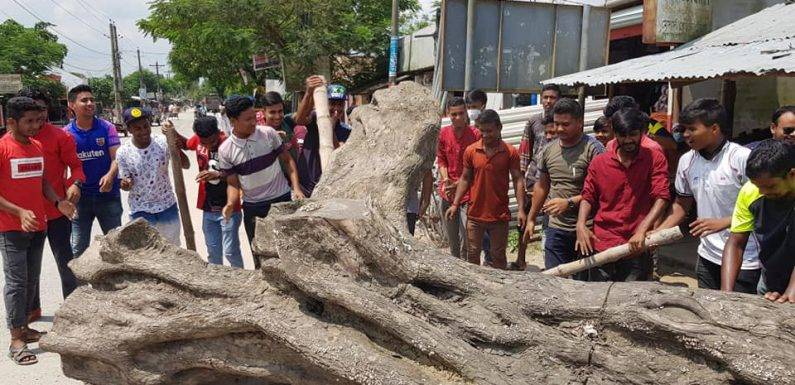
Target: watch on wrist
78, 183
571, 203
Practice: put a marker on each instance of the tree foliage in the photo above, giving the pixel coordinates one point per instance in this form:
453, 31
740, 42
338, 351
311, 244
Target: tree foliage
103, 90
31, 52
215, 39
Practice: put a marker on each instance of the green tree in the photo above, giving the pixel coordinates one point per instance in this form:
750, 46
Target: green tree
103, 90
31, 52
215, 39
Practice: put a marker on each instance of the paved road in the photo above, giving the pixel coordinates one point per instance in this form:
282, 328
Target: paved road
48, 370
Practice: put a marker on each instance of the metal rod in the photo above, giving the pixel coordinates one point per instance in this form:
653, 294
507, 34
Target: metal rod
470, 46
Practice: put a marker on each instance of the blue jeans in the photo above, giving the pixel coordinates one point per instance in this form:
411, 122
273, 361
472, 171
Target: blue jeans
222, 238
106, 210
166, 222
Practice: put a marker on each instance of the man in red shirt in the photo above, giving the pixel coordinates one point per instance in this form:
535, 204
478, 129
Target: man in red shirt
628, 186
23, 219
60, 153
488, 164
453, 140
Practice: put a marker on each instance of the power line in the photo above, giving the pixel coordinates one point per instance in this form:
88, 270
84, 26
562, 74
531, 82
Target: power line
86, 69
78, 18
93, 12
58, 32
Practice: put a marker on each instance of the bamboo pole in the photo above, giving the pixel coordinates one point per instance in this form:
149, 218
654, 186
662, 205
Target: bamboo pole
179, 186
325, 129
614, 254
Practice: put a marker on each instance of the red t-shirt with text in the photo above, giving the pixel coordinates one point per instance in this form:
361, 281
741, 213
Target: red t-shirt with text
21, 178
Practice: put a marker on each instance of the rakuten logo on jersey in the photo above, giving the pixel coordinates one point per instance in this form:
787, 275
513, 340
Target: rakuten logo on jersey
90, 155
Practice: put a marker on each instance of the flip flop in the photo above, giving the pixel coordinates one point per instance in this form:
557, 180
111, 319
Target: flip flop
22, 356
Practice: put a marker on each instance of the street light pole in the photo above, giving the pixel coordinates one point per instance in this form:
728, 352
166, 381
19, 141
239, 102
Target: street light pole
393, 45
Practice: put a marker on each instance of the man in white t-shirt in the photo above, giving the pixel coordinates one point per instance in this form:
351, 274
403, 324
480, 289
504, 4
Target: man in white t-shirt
143, 168
711, 175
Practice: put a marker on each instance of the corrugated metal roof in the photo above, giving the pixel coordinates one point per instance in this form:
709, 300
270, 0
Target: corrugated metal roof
760, 44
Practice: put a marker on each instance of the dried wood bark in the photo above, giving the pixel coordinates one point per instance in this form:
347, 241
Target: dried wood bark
344, 296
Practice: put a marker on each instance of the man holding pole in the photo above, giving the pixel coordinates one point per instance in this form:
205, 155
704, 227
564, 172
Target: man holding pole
562, 167
143, 168
628, 186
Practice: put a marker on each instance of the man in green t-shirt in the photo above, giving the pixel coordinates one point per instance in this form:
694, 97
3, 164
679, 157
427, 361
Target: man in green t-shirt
765, 209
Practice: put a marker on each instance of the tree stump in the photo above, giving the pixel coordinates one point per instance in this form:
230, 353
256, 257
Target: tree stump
345, 296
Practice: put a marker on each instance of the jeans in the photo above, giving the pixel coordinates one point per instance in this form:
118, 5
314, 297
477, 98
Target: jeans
499, 241
222, 238
59, 231
559, 247
106, 210
709, 277
456, 231
22, 267
166, 222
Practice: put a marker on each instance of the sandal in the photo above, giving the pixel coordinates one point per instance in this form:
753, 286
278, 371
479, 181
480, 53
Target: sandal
32, 335
22, 356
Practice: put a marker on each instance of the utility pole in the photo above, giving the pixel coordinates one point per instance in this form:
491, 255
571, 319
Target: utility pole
141, 80
157, 74
470, 47
393, 45
117, 80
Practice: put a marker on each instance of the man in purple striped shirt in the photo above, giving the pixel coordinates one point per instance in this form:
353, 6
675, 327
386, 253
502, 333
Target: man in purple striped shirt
250, 161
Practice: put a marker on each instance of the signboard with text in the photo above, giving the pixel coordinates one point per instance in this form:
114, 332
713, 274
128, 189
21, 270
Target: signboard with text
263, 62
668, 22
10, 84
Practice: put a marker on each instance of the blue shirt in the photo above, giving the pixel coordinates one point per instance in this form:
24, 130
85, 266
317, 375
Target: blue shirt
93, 149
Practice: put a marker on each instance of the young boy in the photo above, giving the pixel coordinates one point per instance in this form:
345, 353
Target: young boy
23, 219
766, 210
488, 164
143, 168
249, 161
710, 176
602, 132
221, 236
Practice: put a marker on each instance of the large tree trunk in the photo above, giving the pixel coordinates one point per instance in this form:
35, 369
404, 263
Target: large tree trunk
344, 296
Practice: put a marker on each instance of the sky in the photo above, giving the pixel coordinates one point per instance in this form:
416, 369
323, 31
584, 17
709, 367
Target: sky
83, 26
89, 48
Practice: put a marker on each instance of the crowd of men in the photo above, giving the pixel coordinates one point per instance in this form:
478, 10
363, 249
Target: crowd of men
55, 182
631, 178
590, 193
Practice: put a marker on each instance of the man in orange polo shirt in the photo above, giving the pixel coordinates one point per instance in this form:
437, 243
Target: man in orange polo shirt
487, 165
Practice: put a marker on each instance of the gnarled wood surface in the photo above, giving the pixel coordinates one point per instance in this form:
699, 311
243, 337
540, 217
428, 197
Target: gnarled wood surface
344, 296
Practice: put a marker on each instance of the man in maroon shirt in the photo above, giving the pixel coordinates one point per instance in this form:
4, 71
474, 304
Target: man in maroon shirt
60, 154
628, 185
453, 140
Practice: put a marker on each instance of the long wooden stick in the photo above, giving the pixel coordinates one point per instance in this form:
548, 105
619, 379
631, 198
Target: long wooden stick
325, 130
179, 186
613, 254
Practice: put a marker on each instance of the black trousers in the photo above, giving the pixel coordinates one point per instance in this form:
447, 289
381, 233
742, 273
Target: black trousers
252, 211
708, 275
59, 234
625, 270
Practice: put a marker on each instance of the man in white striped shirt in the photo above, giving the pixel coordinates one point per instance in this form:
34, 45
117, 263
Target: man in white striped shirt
250, 161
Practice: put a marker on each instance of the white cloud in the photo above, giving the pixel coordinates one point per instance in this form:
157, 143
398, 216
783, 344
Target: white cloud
84, 25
